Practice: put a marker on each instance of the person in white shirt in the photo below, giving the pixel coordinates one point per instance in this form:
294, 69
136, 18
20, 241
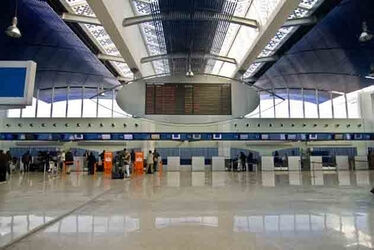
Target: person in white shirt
150, 163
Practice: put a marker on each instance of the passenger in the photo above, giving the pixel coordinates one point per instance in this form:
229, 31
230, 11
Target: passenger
26, 158
156, 156
91, 161
101, 162
85, 160
3, 166
9, 158
242, 161
127, 160
116, 161
150, 163
276, 159
250, 161
285, 161
371, 160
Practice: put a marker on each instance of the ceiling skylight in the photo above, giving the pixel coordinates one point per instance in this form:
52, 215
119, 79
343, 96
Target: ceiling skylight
97, 34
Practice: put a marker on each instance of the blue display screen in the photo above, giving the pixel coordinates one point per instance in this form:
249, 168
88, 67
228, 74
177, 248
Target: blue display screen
12, 82
186, 136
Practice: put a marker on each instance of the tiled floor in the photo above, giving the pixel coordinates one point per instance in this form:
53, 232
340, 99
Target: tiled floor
321, 210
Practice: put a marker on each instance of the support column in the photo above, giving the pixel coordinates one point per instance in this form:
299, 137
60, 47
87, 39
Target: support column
302, 94
274, 110
82, 104
317, 101
37, 103
346, 106
289, 103
52, 100
332, 106
67, 101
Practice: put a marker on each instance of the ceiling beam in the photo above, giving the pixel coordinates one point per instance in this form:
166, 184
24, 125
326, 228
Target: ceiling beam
111, 58
73, 18
305, 21
266, 33
197, 16
129, 41
266, 59
185, 55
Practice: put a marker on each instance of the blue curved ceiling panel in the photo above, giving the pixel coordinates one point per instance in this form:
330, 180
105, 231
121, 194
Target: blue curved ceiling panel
330, 56
62, 58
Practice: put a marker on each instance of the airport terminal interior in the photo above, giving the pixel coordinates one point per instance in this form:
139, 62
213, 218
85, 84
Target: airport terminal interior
186, 124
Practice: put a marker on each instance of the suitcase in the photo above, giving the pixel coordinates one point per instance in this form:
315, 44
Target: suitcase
118, 175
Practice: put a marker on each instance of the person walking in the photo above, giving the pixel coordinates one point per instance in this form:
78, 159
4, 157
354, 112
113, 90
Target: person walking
26, 158
150, 163
91, 162
242, 161
250, 161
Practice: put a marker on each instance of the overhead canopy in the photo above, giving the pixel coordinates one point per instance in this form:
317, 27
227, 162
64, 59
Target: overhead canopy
262, 40
62, 58
330, 56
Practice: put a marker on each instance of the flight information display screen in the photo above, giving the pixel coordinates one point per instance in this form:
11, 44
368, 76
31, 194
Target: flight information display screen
188, 99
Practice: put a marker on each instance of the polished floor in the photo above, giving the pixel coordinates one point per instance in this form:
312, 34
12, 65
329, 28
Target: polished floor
268, 210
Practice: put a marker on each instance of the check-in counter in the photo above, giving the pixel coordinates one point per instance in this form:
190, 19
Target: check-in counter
342, 162
267, 163
294, 163
173, 163
316, 163
198, 163
218, 164
361, 162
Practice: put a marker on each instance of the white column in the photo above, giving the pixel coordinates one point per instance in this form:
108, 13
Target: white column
289, 103
37, 103
82, 104
274, 111
302, 94
346, 106
67, 101
317, 102
52, 100
332, 105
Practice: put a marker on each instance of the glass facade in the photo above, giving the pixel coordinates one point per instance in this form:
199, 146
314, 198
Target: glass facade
91, 102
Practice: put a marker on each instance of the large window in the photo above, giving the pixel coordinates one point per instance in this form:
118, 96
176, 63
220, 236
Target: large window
297, 103
75, 102
325, 107
339, 105
60, 96
267, 105
310, 102
89, 105
105, 104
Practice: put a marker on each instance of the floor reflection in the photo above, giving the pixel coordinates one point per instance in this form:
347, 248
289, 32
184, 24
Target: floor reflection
328, 206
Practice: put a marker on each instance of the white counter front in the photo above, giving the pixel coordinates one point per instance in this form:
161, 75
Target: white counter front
218, 164
294, 163
198, 163
173, 163
267, 163
361, 162
342, 162
316, 163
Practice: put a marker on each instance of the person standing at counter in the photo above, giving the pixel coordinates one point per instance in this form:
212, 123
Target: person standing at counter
155, 160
